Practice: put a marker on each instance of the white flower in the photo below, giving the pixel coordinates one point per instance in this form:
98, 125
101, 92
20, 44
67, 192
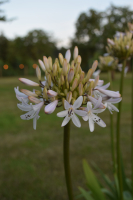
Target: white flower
20, 95
96, 73
70, 111
91, 117
33, 111
51, 107
110, 106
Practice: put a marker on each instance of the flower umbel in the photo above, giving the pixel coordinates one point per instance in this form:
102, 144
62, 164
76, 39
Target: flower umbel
66, 85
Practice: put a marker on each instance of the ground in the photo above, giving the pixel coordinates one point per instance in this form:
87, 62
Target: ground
31, 162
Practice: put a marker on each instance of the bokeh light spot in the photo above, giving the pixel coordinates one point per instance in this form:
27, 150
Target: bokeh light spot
5, 67
34, 66
21, 66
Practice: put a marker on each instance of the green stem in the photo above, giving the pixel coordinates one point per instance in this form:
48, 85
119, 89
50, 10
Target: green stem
67, 161
112, 130
132, 127
119, 173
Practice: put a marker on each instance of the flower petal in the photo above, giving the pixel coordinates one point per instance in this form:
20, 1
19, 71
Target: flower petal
51, 107
18, 93
66, 105
85, 118
112, 107
62, 113
89, 106
34, 99
42, 65
114, 100
65, 121
91, 124
80, 112
28, 82
38, 106
98, 120
76, 121
51, 93
78, 102
94, 101
99, 101
109, 93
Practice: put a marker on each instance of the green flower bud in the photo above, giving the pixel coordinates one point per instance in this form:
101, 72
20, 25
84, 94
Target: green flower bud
75, 54
69, 96
50, 62
38, 73
45, 96
80, 89
45, 60
65, 67
70, 75
74, 85
61, 58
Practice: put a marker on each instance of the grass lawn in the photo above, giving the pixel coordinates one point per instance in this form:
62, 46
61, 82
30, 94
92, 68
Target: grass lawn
31, 162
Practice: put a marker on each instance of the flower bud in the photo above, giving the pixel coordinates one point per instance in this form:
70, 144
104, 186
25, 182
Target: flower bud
77, 67
69, 97
45, 60
79, 59
51, 93
70, 75
74, 85
55, 69
38, 92
68, 55
96, 81
42, 65
38, 73
28, 82
34, 99
72, 65
49, 79
28, 93
45, 96
80, 89
61, 58
75, 94
65, 67
50, 62
89, 74
94, 66
82, 76
62, 79
75, 54
67, 84
110, 41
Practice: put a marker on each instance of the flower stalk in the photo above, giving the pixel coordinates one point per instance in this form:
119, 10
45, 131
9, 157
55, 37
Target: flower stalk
132, 128
112, 130
67, 160
119, 173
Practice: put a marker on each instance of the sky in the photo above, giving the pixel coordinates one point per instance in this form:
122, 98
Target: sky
56, 17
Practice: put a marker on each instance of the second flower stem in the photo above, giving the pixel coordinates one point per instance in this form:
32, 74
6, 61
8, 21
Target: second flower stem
67, 160
119, 173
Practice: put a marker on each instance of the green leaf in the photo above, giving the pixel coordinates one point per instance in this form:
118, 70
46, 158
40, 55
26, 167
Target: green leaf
92, 182
109, 194
85, 194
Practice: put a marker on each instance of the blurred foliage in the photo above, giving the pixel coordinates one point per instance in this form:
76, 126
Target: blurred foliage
92, 30
94, 27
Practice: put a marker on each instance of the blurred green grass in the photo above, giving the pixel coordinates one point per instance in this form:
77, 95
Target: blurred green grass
31, 162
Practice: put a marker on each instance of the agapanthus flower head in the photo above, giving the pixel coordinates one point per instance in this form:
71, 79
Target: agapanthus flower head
66, 85
121, 47
107, 63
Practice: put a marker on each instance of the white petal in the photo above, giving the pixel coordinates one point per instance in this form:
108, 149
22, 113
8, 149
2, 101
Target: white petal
89, 106
18, 93
42, 65
28, 82
100, 82
22, 98
91, 124
24, 108
62, 113
98, 120
105, 86
78, 102
109, 93
98, 110
94, 101
80, 112
66, 105
29, 115
51, 93
65, 121
112, 107
38, 106
99, 101
76, 121
51, 107
85, 118
68, 55
115, 100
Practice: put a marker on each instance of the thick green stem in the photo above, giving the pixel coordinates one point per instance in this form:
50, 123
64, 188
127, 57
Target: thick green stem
119, 173
132, 127
112, 130
67, 160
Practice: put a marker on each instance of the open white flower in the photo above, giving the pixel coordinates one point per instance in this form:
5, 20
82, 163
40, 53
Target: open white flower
70, 111
110, 106
21, 95
91, 117
33, 111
